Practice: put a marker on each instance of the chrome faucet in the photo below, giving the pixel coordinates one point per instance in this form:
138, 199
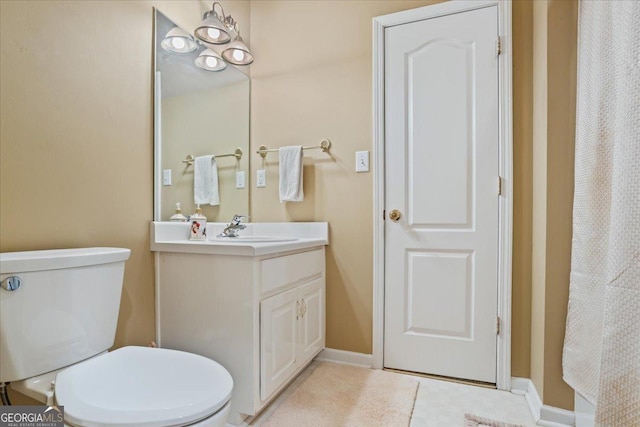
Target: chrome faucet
234, 226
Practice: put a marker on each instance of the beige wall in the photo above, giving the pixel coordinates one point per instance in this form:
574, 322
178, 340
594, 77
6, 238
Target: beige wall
555, 35
539, 192
76, 147
211, 122
311, 80
76, 124
562, 66
324, 91
76, 135
76, 132
522, 23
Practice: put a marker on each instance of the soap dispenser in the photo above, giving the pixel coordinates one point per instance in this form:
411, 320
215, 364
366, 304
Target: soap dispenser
178, 217
198, 225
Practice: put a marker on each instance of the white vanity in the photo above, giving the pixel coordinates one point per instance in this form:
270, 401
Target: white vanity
255, 304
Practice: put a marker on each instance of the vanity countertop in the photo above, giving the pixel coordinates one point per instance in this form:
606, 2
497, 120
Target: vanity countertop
172, 237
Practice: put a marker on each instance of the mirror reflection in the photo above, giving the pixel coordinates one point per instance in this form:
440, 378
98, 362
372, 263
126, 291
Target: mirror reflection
197, 113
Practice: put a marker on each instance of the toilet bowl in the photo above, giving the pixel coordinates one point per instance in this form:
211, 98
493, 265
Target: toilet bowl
57, 320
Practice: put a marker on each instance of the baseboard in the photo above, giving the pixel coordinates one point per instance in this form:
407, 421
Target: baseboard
545, 415
345, 357
584, 410
526, 388
553, 416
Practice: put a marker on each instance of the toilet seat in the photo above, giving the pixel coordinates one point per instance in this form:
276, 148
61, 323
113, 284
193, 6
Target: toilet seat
142, 387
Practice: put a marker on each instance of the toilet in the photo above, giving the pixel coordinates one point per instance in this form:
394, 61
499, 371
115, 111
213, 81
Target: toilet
58, 315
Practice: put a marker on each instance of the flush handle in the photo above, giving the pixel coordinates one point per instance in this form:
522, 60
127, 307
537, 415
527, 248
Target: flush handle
11, 283
395, 215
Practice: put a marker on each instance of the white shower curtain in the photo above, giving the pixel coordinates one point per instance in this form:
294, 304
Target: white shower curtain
601, 357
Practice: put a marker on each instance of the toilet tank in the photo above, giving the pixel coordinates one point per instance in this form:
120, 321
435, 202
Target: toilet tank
65, 310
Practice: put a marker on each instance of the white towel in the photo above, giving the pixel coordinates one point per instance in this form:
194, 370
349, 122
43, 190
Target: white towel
205, 181
291, 174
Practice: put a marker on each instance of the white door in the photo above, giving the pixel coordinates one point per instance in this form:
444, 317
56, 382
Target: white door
278, 340
311, 320
441, 172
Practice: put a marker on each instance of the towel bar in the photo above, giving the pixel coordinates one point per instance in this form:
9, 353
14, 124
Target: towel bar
325, 145
237, 154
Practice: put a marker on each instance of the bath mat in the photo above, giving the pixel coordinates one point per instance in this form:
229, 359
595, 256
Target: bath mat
341, 395
475, 421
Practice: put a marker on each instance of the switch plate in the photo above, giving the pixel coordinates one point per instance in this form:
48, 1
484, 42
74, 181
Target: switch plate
166, 177
362, 161
261, 178
240, 179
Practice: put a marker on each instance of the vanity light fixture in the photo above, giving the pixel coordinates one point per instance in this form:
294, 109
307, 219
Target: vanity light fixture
179, 41
218, 29
237, 52
210, 61
213, 28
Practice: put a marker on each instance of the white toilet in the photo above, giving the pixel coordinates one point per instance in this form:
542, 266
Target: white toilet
58, 316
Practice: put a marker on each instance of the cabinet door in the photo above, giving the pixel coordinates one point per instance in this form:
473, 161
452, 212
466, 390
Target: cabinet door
311, 321
278, 340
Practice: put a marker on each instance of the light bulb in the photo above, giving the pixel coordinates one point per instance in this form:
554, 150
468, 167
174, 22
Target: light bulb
213, 33
178, 43
211, 62
238, 55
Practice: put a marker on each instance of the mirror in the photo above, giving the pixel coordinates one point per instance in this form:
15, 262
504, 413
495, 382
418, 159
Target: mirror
197, 112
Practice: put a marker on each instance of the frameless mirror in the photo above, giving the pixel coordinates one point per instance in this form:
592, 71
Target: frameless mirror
197, 112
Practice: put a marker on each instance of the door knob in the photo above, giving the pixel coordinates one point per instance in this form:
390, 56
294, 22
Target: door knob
395, 215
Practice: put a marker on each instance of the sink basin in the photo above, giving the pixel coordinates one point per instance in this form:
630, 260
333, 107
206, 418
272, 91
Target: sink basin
254, 239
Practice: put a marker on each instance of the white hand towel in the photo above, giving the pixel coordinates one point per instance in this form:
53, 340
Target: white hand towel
291, 174
205, 181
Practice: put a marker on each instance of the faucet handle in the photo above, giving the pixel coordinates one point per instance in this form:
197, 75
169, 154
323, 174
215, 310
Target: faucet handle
237, 219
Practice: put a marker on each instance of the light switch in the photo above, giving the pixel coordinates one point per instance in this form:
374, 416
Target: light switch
240, 179
261, 178
166, 177
362, 161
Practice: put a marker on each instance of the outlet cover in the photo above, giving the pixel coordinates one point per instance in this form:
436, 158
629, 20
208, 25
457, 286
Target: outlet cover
240, 179
166, 177
261, 178
362, 161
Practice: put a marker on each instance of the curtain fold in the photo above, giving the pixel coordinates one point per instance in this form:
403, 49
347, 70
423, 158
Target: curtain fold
601, 359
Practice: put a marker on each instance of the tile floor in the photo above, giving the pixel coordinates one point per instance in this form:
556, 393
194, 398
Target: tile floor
441, 403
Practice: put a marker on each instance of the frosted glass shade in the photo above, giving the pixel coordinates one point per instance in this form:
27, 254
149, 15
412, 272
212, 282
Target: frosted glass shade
210, 61
212, 30
237, 53
179, 41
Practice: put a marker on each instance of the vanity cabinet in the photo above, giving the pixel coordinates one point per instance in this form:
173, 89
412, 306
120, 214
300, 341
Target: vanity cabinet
261, 317
291, 333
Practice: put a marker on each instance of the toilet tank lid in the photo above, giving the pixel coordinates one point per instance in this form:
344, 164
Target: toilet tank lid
54, 259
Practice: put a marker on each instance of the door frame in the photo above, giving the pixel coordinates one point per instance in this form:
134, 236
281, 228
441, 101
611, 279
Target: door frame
503, 368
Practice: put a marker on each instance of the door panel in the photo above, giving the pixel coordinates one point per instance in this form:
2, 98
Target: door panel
437, 152
278, 340
441, 305
441, 170
312, 321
